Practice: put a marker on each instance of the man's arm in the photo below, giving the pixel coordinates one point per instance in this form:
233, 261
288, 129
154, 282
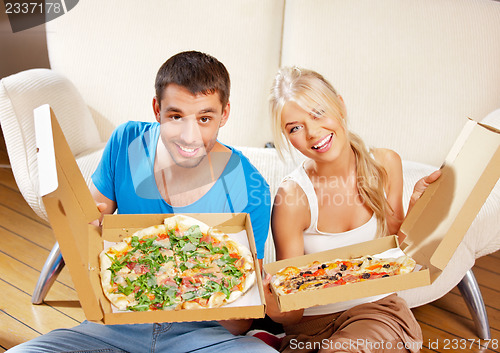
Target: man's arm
105, 205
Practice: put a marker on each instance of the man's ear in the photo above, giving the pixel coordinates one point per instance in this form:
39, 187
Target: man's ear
225, 115
156, 109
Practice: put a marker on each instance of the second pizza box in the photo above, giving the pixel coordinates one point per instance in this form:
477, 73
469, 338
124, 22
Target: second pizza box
434, 228
70, 208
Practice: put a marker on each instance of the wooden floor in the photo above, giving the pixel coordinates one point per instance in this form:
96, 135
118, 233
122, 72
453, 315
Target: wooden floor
25, 242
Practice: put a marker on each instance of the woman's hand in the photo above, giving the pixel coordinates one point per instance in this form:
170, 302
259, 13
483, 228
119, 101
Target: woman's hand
421, 186
272, 308
418, 190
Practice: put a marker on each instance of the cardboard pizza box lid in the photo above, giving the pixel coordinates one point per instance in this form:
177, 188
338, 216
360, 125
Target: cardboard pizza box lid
438, 222
60, 182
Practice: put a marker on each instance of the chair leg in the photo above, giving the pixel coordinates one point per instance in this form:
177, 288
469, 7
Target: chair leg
53, 265
472, 295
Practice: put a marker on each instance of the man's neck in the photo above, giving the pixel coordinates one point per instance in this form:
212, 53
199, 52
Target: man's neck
181, 186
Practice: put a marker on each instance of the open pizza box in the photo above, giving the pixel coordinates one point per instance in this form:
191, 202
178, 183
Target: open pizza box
70, 208
434, 228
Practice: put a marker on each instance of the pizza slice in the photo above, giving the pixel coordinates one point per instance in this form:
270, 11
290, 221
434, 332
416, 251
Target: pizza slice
137, 273
372, 267
215, 270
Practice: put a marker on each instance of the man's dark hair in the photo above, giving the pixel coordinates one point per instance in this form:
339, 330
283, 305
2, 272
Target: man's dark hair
197, 72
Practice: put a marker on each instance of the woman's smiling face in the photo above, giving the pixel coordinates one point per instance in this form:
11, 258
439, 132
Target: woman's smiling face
313, 132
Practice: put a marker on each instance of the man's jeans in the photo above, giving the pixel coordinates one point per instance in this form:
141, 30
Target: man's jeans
90, 337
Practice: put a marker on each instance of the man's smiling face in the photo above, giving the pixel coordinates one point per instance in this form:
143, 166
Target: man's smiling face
189, 123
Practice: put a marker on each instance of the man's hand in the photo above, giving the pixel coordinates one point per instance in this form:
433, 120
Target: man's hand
105, 205
102, 208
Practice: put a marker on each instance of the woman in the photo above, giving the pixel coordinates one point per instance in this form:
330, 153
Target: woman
342, 194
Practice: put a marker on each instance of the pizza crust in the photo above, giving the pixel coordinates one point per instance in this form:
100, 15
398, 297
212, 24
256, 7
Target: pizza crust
183, 223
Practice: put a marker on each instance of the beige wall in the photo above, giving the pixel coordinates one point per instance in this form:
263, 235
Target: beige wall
22, 50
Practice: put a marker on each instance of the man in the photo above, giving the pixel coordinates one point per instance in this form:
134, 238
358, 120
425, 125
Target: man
174, 165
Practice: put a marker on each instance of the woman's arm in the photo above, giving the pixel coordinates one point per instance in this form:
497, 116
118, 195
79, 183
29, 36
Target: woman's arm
393, 165
290, 216
391, 161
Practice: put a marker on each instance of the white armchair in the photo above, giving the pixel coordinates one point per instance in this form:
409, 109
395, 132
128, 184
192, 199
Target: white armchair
410, 74
19, 95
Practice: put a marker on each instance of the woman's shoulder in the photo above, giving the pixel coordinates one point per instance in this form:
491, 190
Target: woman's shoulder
391, 161
291, 196
291, 189
290, 207
388, 158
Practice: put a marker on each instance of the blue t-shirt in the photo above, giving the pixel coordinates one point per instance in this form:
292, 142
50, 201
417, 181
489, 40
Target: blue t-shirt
126, 176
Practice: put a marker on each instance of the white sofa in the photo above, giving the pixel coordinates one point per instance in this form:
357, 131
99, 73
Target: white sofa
409, 72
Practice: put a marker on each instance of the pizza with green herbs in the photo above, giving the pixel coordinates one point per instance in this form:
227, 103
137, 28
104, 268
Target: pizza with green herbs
181, 264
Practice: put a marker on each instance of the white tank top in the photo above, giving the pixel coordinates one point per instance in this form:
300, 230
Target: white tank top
316, 240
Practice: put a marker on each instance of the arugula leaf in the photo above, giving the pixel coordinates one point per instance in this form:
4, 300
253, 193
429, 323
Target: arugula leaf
126, 290
181, 243
201, 265
208, 274
134, 242
115, 267
140, 307
207, 245
226, 291
231, 270
212, 287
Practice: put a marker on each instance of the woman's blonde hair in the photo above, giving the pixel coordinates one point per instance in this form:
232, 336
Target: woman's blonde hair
309, 90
